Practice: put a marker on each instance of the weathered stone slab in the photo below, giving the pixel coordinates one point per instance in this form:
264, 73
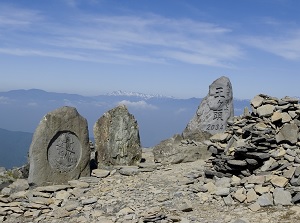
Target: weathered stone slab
129, 171
257, 155
219, 137
279, 181
214, 111
91, 200
239, 195
282, 197
286, 118
265, 110
257, 101
117, 138
228, 200
296, 198
259, 189
222, 191
288, 133
251, 196
237, 163
100, 173
60, 150
78, 184
265, 200
277, 116
53, 188
256, 179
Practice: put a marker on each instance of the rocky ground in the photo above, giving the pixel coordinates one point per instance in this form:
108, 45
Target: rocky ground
150, 193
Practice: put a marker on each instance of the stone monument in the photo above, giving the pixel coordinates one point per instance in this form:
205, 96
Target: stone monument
117, 139
60, 150
214, 111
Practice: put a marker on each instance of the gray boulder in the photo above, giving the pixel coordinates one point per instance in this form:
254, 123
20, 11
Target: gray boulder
214, 111
60, 150
178, 150
117, 139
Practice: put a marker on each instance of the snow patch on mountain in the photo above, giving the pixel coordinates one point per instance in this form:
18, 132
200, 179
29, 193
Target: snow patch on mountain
136, 94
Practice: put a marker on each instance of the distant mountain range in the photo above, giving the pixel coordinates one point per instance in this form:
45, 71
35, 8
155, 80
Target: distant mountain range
159, 117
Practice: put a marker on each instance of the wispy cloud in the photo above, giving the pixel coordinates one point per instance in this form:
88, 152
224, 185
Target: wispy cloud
13, 17
32, 104
76, 3
277, 37
286, 46
138, 105
68, 103
121, 39
180, 111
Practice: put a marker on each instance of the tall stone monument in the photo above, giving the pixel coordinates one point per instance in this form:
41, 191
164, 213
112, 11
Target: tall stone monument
214, 111
117, 139
60, 150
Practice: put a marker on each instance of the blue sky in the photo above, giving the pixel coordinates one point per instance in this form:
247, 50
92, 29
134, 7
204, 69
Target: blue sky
171, 47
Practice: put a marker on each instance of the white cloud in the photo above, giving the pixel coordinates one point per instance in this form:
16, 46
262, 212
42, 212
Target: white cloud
180, 110
146, 38
99, 104
4, 100
138, 105
68, 103
32, 104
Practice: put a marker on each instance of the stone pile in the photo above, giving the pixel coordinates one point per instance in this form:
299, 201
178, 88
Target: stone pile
258, 156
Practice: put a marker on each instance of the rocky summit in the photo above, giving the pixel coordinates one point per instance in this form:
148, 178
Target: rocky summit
149, 192
247, 174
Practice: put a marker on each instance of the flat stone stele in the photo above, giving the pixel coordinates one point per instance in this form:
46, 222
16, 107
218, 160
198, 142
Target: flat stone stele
60, 150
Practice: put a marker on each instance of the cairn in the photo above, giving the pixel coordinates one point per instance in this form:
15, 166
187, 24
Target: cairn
260, 152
